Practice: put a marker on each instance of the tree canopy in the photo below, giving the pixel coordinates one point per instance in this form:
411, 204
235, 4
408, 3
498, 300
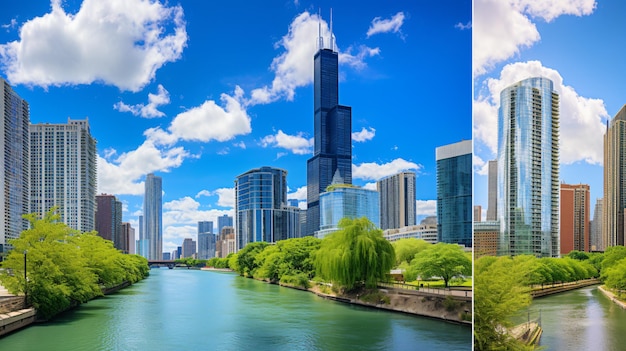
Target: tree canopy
442, 260
407, 248
355, 254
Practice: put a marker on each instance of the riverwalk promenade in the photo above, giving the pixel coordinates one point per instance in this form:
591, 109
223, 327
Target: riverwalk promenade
13, 315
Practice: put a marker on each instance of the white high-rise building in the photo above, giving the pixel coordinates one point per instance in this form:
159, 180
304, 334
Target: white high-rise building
152, 216
14, 172
63, 172
397, 200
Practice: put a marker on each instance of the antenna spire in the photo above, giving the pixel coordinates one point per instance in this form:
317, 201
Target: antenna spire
319, 29
332, 41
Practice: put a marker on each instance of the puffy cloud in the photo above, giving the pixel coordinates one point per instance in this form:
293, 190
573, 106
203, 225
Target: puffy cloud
581, 119
364, 135
299, 194
501, 28
480, 166
297, 144
226, 197
203, 193
206, 122
374, 171
463, 26
149, 110
118, 42
370, 186
121, 176
426, 207
392, 24
293, 68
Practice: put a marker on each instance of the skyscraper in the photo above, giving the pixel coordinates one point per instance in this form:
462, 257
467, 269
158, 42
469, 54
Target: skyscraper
528, 169
109, 218
189, 248
332, 154
206, 240
595, 228
152, 214
15, 172
574, 218
261, 207
397, 200
346, 201
492, 188
224, 221
614, 181
127, 243
63, 172
454, 193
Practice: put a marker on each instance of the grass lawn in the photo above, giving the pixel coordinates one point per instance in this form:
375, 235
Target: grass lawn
439, 283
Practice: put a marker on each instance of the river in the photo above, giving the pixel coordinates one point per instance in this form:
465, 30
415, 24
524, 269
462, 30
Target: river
582, 319
200, 310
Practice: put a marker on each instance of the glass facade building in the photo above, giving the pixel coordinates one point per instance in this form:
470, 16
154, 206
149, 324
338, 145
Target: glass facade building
346, 201
152, 216
528, 169
332, 153
454, 193
261, 207
614, 183
14, 172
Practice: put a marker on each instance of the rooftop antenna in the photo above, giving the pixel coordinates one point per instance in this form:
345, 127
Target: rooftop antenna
319, 29
332, 41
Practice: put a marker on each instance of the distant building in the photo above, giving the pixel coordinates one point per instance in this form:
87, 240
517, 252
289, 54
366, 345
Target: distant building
206, 245
574, 218
166, 256
427, 232
63, 172
15, 173
454, 193
189, 248
397, 200
478, 213
614, 201
224, 221
261, 207
226, 243
332, 124
175, 255
492, 188
152, 214
205, 227
430, 220
346, 201
127, 235
486, 236
528, 169
595, 228
108, 216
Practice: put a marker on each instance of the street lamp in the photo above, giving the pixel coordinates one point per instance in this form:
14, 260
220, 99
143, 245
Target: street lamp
25, 282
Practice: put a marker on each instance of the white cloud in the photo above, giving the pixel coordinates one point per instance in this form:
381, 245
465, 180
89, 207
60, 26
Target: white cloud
364, 135
299, 194
121, 176
463, 26
206, 122
10, 25
297, 144
392, 24
501, 28
581, 119
293, 68
480, 166
203, 193
240, 145
426, 207
226, 197
370, 186
374, 171
117, 42
149, 110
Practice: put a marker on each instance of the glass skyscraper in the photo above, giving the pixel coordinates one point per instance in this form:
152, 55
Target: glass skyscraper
261, 207
528, 169
346, 201
454, 193
332, 155
152, 215
614, 182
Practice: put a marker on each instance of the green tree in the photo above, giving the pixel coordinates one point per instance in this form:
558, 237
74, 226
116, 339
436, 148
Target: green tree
246, 258
500, 291
442, 260
406, 249
355, 254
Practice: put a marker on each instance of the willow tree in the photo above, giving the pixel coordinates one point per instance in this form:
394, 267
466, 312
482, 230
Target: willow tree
355, 254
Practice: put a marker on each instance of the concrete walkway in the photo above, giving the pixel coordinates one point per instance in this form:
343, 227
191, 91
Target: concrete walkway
4, 292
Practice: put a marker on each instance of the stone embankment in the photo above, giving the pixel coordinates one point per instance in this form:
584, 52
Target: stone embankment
545, 290
612, 296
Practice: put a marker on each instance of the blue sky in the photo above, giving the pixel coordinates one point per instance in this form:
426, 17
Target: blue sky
200, 92
579, 46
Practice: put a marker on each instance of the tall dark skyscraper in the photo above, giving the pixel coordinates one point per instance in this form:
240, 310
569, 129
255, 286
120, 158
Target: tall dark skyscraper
332, 155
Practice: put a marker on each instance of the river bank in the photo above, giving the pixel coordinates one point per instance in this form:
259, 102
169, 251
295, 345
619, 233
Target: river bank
562, 287
612, 297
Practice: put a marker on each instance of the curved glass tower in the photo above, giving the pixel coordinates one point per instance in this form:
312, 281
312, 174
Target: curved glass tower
528, 169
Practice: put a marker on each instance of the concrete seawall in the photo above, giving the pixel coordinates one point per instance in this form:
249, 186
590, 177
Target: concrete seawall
555, 289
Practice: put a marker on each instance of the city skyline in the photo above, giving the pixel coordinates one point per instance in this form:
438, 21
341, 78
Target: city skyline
202, 104
571, 44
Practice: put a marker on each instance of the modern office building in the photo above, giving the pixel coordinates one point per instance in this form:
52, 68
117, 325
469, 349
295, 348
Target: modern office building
142, 247
397, 200
127, 243
224, 221
15, 172
426, 232
189, 248
206, 246
574, 221
614, 181
492, 188
486, 236
346, 201
226, 243
478, 213
595, 228
109, 219
205, 227
261, 207
332, 151
152, 215
63, 161
528, 169
454, 193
